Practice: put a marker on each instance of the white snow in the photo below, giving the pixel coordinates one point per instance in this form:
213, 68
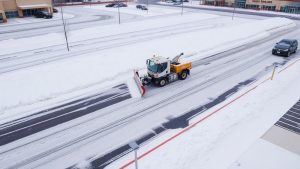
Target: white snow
51, 80
263, 154
219, 140
198, 35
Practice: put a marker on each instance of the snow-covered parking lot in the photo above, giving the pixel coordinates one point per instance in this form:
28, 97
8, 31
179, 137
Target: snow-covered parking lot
229, 57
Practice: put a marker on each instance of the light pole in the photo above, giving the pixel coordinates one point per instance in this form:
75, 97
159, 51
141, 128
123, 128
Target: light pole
135, 147
64, 24
181, 7
147, 6
119, 14
118, 3
233, 9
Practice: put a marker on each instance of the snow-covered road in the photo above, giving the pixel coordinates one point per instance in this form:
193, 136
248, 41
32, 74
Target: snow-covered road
222, 66
99, 129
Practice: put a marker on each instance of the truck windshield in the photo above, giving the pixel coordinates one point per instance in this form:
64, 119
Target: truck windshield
152, 66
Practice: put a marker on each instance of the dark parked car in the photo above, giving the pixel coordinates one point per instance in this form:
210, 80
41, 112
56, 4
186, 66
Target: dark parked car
285, 47
42, 14
177, 3
142, 7
110, 5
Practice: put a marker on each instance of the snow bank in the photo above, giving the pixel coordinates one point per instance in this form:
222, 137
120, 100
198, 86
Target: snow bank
104, 68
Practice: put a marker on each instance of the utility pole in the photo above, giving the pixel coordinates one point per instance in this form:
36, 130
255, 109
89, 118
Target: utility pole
181, 7
147, 6
64, 24
233, 9
119, 13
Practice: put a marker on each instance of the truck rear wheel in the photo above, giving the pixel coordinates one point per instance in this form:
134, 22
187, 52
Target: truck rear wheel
162, 82
183, 75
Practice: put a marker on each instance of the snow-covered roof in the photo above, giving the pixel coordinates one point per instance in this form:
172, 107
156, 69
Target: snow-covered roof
159, 59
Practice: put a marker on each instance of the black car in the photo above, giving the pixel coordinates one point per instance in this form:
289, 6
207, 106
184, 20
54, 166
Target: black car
110, 5
285, 47
118, 5
42, 14
144, 8
177, 3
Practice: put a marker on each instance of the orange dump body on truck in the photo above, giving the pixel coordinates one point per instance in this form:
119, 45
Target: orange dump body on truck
177, 68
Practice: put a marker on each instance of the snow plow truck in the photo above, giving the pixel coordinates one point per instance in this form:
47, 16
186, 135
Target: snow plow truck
161, 71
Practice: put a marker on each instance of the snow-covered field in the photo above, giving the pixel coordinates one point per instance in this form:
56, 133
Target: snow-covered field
103, 56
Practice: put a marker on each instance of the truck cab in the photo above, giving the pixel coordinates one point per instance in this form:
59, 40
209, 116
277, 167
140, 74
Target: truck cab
162, 70
158, 67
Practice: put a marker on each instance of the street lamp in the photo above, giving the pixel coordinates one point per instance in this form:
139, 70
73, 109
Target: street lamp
147, 6
233, 9
64, 24
135, 147
119, 14
181, 7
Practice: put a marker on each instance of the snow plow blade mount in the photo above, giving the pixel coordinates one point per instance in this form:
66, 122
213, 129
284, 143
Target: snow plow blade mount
139, 83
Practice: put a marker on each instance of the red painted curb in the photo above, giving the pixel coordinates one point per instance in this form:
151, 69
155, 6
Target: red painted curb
289, 66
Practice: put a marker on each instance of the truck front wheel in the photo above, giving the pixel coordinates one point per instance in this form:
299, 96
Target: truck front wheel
183, 75
162, 82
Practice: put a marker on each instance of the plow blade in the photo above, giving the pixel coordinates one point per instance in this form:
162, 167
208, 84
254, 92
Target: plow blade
139, 83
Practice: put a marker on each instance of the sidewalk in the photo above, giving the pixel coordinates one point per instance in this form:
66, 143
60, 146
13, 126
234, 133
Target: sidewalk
278, 148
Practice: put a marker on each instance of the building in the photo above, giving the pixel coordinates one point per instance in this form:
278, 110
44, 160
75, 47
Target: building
288, 6
20, 8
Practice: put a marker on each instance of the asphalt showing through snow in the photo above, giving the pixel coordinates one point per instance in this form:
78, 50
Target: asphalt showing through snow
291, 120
45, 119
178, 122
